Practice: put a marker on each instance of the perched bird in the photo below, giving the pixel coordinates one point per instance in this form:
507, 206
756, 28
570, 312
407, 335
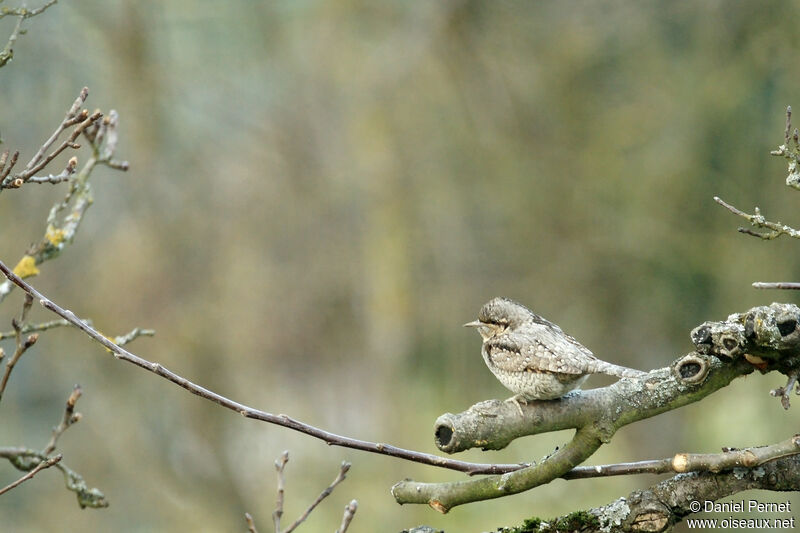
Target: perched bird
532, 357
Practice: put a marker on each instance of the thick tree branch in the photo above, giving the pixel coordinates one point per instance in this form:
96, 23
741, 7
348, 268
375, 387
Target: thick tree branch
596, 414
493, 424
658, 508
444, 496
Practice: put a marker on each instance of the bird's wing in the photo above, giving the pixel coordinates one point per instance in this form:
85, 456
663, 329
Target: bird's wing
541, 349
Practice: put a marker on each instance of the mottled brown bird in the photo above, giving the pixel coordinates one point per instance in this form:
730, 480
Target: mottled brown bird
532, 357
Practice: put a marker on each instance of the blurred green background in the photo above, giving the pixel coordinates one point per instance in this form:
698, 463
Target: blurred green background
321, 193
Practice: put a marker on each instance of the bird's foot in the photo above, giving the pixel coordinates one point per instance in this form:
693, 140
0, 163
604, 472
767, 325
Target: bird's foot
516, 400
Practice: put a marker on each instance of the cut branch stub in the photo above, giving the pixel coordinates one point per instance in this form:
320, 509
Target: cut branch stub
774, 329
691, 368
725, 339
493, 424
652, 517
768, 332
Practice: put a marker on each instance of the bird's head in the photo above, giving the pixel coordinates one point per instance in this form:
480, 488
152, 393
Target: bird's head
497, 315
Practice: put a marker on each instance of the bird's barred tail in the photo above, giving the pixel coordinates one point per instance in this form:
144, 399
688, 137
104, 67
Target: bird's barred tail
601, 367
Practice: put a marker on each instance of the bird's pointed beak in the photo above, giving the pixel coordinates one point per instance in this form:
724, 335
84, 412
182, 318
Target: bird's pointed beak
474, 324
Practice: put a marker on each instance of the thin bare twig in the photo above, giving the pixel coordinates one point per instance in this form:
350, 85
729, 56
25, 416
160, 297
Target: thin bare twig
324, 494
759, 221
26, 459
790, 150
74, 115
30, 328
349, 511
41, 466
7, 164
251, 525
280, 464
122, 340
65, 174
784, 285
25, 12
784, 392
7, 53
22, 344
40, 161
21, 13
70, 417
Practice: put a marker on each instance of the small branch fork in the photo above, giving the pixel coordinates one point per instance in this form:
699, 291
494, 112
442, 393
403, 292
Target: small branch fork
22, 344
784, 392
101, 133
280, 464
31, 328
22, 13
28, 460
47, 463
70, 417
80, 118
758, 220
790, 150
32, 461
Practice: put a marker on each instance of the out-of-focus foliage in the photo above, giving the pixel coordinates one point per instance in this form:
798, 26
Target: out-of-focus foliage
321, 193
